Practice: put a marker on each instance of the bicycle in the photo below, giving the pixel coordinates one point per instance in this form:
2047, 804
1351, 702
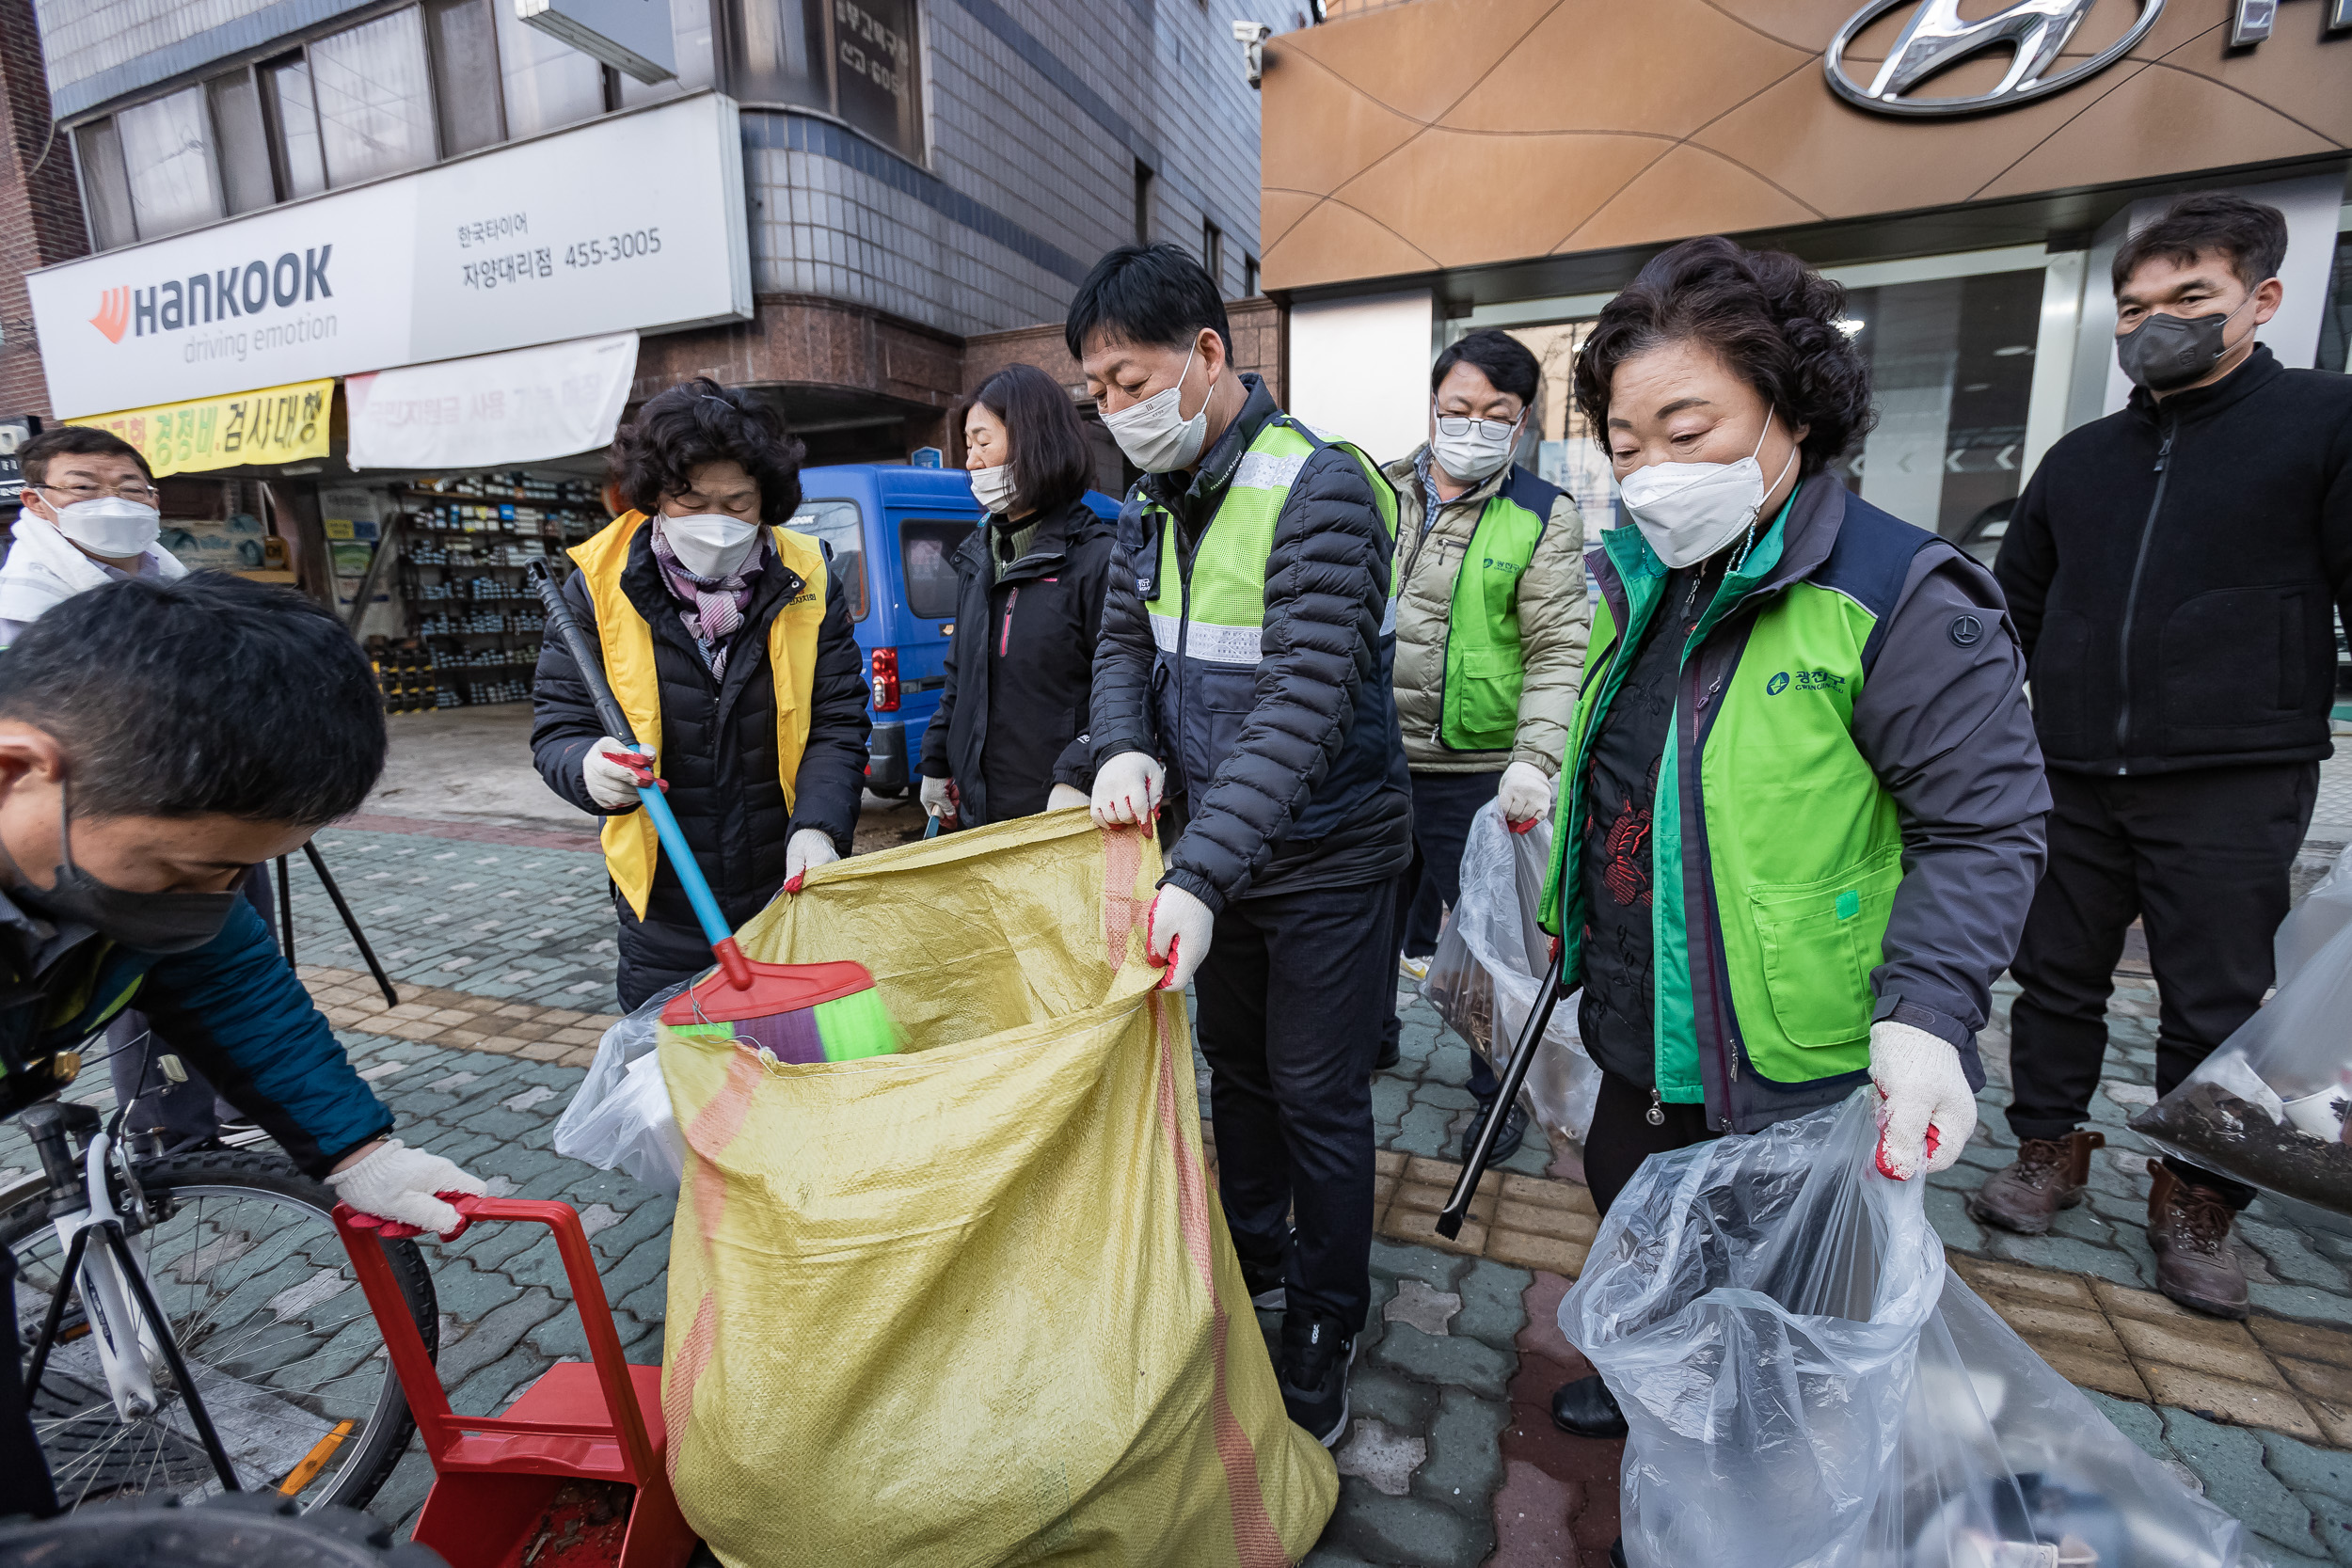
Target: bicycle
191, 1324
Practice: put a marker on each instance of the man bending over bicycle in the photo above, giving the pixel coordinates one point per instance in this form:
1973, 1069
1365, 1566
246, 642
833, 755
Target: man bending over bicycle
156, 740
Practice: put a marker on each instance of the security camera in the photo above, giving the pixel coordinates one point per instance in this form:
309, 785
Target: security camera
1252, 36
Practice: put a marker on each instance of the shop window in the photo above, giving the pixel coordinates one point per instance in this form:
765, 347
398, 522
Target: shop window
1570, 453
463, 36
2335, 320
776, 51
290, 110
690, 35
1951, 371
927, 553
375, 98
1213, 253
836, 525
1248, 276
167, 153
548, 83
105, 185
246, 181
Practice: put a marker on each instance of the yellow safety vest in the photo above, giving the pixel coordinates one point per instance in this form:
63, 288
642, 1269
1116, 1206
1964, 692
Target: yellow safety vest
630, 845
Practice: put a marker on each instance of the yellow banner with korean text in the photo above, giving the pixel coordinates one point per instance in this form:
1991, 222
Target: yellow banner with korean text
275, 424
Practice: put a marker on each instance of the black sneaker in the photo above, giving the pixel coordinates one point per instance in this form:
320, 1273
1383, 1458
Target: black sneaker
1506, 1142
1316, 1355
1268, 1291
1391, 1053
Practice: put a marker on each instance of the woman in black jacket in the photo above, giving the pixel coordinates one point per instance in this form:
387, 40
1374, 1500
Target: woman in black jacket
729, 649
1009, 737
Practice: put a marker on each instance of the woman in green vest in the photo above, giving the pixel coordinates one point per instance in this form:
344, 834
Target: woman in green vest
1801, 812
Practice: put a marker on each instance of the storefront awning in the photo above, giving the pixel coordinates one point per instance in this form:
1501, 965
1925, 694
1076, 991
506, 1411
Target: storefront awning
275, 424
493, 410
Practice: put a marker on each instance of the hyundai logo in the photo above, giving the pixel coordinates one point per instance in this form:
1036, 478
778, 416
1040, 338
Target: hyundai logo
1936, 37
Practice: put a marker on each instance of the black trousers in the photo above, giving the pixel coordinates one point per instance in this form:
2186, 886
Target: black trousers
1291, 1000
1443, 804
2200, 859
24, 1484
1622, 1136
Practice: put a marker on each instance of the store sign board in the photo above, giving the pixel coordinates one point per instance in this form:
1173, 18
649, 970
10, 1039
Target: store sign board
493, 410
632, 222
276, 424
1937, 36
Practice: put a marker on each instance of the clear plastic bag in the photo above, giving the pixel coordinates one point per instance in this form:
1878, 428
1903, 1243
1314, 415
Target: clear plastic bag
620, 1117
1807, 1385
1489, 967
2269, 1105
2324, 911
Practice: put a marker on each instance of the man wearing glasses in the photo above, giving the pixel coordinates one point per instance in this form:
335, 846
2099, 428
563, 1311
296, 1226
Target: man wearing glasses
89, 518
1490, 628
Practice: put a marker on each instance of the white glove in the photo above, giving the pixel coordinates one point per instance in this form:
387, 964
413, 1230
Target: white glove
397, 1182
612, 784
1063, 795
1525, 794
1921, 1087
1176, 933
1128, 789
936, 799
807, 849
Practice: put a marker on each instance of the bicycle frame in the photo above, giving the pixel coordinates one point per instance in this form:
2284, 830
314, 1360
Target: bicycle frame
128, 1330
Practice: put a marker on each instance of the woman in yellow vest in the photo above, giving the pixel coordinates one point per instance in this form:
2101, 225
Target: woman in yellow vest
734, 661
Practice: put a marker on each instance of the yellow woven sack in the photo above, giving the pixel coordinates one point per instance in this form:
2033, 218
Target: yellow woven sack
974, 1304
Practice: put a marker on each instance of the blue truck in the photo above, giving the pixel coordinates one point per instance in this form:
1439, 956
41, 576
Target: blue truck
892, 532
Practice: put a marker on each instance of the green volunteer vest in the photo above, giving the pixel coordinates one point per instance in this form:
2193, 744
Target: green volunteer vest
1479, 708
1802, 846
1221, 618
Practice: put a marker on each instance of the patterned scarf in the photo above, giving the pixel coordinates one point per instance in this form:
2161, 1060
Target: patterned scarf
715, 605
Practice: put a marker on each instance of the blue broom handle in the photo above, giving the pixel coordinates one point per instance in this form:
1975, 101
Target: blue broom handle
690, 872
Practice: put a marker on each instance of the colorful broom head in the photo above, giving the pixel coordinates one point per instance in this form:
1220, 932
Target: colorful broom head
798, 1012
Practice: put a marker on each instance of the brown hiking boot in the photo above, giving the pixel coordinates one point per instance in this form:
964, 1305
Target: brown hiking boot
2190, 1227
2047, 1176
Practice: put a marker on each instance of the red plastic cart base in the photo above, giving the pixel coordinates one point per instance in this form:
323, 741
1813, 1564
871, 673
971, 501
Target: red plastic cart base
572, 1475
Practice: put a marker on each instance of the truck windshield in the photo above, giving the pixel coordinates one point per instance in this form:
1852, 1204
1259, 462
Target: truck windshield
834, 525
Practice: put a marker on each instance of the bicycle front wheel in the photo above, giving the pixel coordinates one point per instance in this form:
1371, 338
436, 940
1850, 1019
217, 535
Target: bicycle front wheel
245, 1262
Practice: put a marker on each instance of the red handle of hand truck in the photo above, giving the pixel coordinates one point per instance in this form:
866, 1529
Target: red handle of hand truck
441, 1429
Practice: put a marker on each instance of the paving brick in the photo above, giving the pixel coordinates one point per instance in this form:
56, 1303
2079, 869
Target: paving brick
1454, 1359
2212, 1345
1570, 1196
1530, 1251
2088, 1367
1421, 1226
1406, 1529
2307, 1340
2270, 1405
1567, 1224
1431, 1200
2231, 1464
1465, 1464
2005, 1279
2040, 1325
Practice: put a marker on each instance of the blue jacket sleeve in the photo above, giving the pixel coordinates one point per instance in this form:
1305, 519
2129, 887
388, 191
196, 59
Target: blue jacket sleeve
235, 1009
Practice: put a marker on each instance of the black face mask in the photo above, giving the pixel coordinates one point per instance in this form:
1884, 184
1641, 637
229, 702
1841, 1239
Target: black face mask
2164, 352
164, 923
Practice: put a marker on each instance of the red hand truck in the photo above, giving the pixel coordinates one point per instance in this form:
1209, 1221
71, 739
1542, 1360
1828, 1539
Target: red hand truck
573, 1474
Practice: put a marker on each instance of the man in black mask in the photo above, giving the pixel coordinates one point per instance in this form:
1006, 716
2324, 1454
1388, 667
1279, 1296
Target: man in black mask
158, 739
2174, 571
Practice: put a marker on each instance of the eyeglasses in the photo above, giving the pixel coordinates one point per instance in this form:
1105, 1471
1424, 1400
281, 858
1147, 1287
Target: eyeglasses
1459, 425
133, 490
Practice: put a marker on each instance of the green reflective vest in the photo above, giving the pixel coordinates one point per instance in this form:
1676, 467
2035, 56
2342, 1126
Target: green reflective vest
1775, 849
1479, 707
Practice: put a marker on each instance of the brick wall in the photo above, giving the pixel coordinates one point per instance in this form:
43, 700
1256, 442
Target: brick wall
41, 209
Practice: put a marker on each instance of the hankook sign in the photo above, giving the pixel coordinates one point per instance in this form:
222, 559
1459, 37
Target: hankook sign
636, 221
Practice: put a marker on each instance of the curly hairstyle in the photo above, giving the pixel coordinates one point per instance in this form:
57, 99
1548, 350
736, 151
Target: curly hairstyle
699, 421
1774, 321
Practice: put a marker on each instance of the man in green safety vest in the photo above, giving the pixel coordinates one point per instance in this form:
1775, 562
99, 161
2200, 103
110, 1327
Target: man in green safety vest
1490, 627
1242, 682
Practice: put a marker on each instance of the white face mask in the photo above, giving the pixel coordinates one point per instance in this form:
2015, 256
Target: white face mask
1473, 449
1155, 433
1689, 510
110, 526
992, 487
710, 543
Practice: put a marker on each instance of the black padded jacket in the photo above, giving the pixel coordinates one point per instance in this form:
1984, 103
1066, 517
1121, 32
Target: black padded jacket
718, 749
1320, 742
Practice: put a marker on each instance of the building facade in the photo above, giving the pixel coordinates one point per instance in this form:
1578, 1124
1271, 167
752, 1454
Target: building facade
1434, 166
914, 172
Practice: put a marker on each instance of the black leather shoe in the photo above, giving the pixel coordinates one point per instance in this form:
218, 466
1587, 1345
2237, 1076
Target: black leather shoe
1586, 1408
1616, 1553
1268, 1290
1506, 1142
1389, 1055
